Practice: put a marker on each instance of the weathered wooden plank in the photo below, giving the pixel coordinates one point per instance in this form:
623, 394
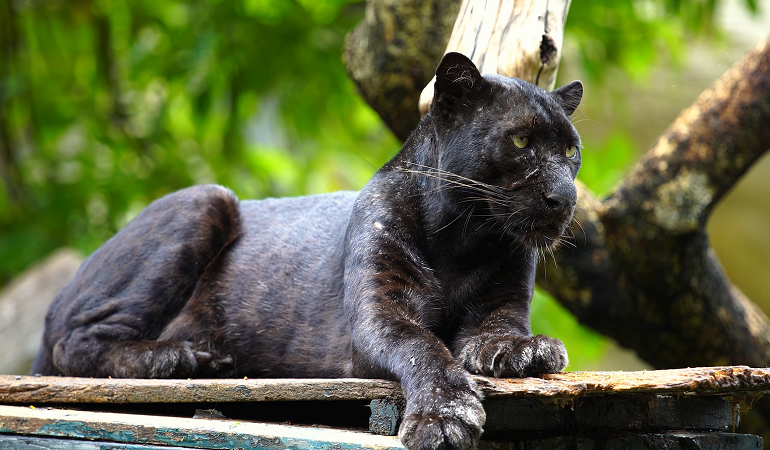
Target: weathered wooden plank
702, 380
180, 432
13, 442
645, 441
28, 389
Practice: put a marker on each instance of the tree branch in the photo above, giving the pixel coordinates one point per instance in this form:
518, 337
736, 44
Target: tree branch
642, 271
393, 53
655, 227
704, 152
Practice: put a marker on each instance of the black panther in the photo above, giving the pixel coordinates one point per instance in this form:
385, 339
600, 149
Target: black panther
425, 276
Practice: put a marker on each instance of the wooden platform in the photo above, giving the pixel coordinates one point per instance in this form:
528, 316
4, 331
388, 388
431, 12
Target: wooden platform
696, 408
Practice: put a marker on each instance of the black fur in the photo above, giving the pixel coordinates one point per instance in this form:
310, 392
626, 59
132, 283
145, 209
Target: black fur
425, 276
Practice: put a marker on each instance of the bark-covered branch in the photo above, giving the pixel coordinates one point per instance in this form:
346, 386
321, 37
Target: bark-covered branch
643, 271
393, 53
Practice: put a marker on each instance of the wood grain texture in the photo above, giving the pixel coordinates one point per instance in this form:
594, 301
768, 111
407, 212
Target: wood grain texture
29, 389
73, 430
700, 380
386, 415
515, 38
703, 380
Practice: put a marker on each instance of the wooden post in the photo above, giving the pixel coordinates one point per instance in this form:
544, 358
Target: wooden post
515, 38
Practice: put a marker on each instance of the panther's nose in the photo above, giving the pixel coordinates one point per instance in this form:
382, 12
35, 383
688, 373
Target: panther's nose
561, 202
560, 193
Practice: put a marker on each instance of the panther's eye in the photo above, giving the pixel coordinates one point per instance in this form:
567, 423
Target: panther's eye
520, 141
571, 151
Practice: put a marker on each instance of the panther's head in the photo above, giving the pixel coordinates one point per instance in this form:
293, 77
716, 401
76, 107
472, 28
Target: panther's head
508, 154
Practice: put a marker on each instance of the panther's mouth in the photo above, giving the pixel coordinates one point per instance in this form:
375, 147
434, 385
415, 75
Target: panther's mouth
541, 234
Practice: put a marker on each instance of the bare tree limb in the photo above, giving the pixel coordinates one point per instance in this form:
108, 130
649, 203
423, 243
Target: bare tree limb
704, 152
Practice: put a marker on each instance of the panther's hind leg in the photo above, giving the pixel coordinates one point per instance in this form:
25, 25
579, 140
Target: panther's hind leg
108, 321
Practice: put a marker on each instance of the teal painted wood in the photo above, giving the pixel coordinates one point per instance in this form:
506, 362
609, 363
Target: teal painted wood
386, 415
11, 442
181, 432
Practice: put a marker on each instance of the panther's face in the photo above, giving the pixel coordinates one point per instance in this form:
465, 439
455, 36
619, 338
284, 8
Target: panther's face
508, 152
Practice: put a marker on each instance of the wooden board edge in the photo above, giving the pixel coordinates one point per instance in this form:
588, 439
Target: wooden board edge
182, 432
728, 380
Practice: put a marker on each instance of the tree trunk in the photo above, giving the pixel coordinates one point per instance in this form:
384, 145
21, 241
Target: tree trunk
642, 270
519, 39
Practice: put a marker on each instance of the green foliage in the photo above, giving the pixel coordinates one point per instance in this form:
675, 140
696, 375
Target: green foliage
635, 35
618, 42
107, 105
607, 160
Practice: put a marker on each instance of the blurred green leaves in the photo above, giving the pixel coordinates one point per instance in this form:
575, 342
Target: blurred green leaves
616, 43
106, 105
606, 161
635, 35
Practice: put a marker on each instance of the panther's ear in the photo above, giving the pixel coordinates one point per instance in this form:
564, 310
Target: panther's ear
455, 75
569, 96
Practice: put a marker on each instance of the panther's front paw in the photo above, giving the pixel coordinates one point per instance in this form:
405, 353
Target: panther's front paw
447, 417
514, 356
139, 359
